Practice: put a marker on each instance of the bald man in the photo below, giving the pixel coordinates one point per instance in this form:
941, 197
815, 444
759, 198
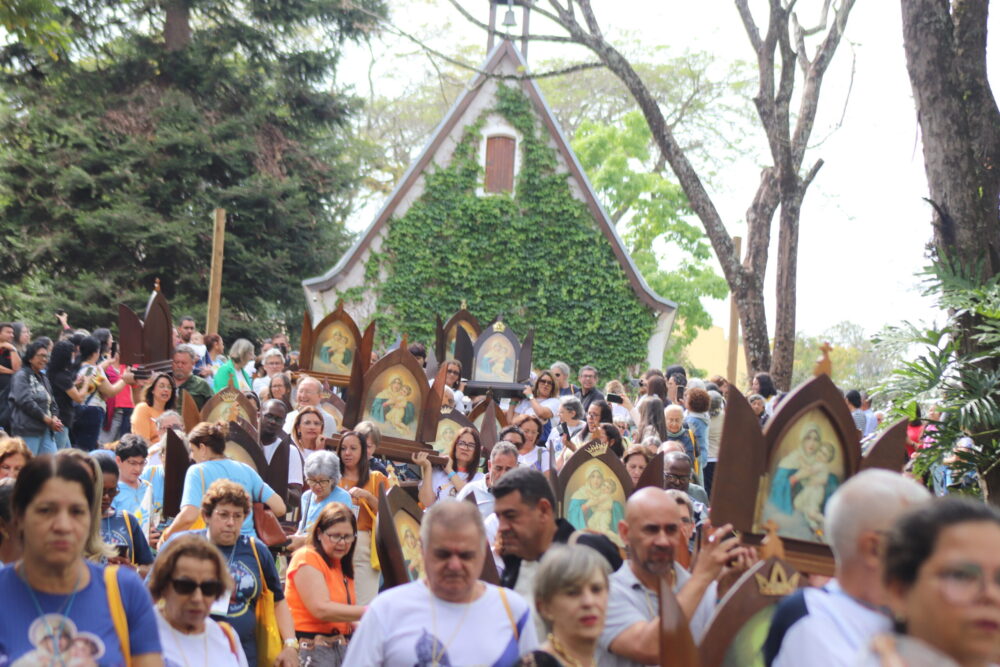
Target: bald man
839, 620
308, 394
653, 530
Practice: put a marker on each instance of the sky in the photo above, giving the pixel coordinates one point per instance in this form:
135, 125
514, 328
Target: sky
864, 225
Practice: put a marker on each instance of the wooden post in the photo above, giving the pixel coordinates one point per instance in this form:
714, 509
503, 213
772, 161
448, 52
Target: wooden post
734, 326
215, 279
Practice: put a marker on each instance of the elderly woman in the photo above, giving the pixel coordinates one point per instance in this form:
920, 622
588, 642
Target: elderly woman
53, 593
234, 370
571, 422
14, 455
571, 596
462, 468
320, 587
322, 473
159, 396
189, 577
208, 449
942, 574
33, 415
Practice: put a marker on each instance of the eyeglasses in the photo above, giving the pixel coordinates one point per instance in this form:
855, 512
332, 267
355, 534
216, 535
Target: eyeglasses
514, 442
677, 478
465, 443
318, 482
452, 371
339, 539
964, 582
548, 382
135, 463
211, 588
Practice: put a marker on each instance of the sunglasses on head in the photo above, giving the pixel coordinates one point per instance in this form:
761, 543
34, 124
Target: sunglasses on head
210, 589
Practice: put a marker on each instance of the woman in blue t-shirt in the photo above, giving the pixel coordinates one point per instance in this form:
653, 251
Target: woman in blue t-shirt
322, 473
59, 607
208, 449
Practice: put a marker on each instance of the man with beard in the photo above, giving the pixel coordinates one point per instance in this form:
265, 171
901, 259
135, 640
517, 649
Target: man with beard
653, 529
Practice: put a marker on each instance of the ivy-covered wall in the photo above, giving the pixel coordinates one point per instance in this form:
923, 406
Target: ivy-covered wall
536, 258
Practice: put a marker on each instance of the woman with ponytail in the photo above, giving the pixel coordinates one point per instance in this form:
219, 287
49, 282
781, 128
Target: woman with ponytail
208, 449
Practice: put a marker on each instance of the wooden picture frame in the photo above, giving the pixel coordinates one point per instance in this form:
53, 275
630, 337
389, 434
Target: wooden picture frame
226, 405
242, 445
334, 406
335, 350
147, 343
500, 364
787, 473
446, 335
397, 537
176, 461
592, 489
888, 451
395, 396
447, 427
677, 647
738, 628
653, 474
489, 429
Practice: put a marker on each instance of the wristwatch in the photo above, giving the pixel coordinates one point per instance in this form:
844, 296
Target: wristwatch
292, 643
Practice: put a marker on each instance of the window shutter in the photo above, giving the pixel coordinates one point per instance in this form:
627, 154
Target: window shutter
499, 164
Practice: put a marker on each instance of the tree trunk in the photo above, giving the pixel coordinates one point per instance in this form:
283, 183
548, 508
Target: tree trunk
177, 26
785, 293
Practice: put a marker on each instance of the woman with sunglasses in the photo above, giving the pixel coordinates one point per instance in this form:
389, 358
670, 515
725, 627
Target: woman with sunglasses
942, 575
542, 401
322, 474
189, 577
462, 468
53, 595
319, 587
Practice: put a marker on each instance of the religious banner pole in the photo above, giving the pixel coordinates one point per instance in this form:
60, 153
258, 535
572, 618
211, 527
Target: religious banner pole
215, 279
734, 326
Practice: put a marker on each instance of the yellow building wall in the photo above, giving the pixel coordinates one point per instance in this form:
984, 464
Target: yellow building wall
710, 351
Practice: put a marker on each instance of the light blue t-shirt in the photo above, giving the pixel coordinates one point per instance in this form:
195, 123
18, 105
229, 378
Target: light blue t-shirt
154, 475
312, 507
201, 475
85, 626
131, 500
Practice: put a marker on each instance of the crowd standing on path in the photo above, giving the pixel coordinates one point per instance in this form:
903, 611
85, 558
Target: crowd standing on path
93, 574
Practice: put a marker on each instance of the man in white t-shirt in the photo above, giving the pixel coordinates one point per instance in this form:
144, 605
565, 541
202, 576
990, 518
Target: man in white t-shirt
503, 457
452, 618
272, 416
838, 620
308, 394
653, 528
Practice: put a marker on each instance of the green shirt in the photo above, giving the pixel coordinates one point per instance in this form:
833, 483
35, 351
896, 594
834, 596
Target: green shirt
198, 388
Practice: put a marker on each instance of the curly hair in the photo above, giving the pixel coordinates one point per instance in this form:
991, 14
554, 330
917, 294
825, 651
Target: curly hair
224, 492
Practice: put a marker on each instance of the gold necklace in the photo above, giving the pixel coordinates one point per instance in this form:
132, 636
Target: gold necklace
562, 653
435, 655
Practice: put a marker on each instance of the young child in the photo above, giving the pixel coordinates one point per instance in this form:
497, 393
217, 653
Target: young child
813, 474
397, 412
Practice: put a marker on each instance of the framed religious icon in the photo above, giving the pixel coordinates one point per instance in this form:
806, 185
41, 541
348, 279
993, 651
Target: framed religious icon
448, 426
735, 637
446, 335
398, 537
677, 647
594, 485
786, 475
242, 445
500, 363
334, 406
335, 349
395, 396
147, 343
226, 405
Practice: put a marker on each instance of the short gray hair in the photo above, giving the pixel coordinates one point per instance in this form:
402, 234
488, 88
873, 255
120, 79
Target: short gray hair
870, 500
241, 349
651, 441
184, 348
564, 567
324, 463
588, 367
273, 352
573, 404
561, 366
503, 447
167, 415
451, 514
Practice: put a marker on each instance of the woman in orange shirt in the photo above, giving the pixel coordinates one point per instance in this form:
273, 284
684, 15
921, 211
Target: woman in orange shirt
319, 588
160, 396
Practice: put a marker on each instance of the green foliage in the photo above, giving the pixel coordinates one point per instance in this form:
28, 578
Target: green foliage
535, 257
957, 366
112, 160
857, 362
669, 251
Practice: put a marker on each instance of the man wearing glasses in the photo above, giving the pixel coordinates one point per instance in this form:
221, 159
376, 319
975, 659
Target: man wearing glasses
677, 475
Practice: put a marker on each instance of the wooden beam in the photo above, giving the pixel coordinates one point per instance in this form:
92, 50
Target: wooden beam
215, 279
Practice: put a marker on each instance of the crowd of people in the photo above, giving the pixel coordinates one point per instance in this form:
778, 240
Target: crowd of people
93, 573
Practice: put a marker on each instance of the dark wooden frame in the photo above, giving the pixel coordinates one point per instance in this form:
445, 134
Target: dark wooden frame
460, 420
393, 447
489, 433
652, 475
241, 440
176, 461
745, 455
441, 335
583, 455
147, 343
764, 584
677, 647
888, 451
362, 353
229, 395
522, 361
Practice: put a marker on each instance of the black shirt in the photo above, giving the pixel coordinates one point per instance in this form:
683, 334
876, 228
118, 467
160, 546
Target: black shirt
60, 382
